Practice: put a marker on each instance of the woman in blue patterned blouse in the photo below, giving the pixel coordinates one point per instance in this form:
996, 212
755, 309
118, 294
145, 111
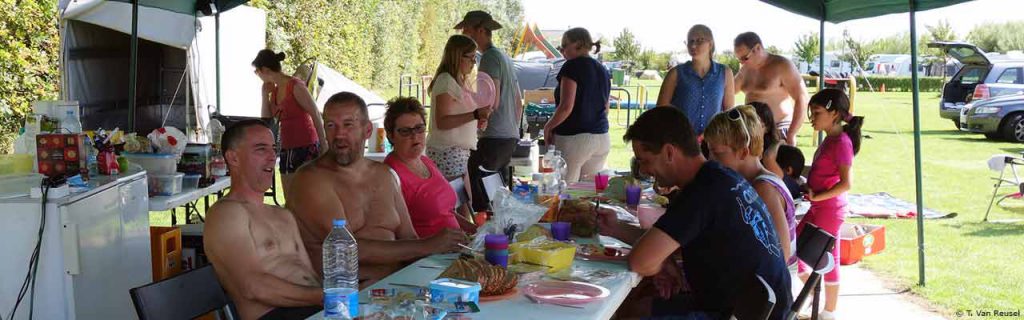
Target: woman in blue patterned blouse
700, 87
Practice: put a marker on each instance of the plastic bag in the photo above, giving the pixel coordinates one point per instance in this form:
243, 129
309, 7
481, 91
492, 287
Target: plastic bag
168, 140
510, 216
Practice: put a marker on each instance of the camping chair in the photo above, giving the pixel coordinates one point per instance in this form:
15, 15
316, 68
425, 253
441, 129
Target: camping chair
755, 300
1000, 163
813, 247
185, 296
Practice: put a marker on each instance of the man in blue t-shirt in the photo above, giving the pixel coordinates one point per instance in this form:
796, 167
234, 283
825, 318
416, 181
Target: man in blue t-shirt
716, 218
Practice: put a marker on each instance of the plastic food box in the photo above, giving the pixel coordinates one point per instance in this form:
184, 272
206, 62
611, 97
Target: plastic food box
190, 181
557, 255
165, 185
154, 163
447, 290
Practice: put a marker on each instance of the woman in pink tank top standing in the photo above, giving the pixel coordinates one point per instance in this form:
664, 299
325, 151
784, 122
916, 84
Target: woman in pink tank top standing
286, 99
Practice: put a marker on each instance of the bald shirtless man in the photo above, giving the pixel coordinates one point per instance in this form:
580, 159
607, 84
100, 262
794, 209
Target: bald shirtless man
342, 184
255, 248
773, 80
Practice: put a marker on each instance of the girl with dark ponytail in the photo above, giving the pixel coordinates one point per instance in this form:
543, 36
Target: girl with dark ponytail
831, 176
287, 100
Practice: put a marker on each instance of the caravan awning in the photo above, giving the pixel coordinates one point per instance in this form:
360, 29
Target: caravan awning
836, 11
168, 22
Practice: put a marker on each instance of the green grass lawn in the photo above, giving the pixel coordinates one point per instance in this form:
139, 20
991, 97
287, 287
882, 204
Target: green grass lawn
970, 264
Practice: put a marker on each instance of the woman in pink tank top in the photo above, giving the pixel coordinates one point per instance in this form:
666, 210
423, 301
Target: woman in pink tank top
427, 194
286, 99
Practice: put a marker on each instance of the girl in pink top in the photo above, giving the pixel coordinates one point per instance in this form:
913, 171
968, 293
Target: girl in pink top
428, 196
831, 177
286, 99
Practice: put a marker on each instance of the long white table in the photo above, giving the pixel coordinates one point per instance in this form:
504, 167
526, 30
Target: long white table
518, 306
187, 197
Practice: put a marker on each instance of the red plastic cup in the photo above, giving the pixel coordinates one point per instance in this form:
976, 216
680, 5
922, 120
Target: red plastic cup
600, 182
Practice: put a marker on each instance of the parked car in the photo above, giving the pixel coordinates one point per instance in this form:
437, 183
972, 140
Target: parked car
981, 77
998, 118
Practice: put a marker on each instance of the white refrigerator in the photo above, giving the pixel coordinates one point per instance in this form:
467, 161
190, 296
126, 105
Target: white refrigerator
95, 247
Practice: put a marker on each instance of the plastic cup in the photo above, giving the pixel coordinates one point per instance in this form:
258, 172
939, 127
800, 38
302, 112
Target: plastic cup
496, 249
560, 231
633, 195
600, 182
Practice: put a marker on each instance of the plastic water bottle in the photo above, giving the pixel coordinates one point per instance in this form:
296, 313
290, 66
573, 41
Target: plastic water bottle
341, 274
71, 123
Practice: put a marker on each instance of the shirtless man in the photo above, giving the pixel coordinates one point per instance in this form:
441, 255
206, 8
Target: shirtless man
255, 248
773, 80
342, 184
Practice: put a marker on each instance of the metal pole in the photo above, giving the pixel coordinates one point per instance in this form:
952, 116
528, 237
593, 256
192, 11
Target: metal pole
216, 24
917, 142
821, 65
134, 66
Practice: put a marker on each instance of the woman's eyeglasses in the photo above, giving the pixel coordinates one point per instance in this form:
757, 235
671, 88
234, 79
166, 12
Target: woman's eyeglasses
735, 115
696, 42
408, 132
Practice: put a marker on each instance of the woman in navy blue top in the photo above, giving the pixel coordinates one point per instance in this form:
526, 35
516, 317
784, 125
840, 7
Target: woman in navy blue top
700, 87
579, 127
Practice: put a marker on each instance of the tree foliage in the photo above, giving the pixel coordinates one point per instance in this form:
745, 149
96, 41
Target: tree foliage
807, 47
29, 46
729, 59
627, 47
856, 53
998, 37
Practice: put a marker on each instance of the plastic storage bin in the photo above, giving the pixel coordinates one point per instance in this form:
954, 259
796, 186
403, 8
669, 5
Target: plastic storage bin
18, 185
165, 185
16, 163
190, 181
154, 163
165, 245
447, 290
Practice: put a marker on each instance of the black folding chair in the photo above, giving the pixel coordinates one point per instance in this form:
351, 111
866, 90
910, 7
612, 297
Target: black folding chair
755, 300
185, 296
813, 247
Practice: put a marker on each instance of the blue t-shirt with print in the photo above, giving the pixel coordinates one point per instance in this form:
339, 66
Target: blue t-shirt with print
726, 236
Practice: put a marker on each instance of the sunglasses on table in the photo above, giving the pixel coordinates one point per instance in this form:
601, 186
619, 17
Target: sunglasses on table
409, 131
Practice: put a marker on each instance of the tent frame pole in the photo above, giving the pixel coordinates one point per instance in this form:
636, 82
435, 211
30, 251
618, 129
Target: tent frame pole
821, 65
216, 23
917, 142
134, 67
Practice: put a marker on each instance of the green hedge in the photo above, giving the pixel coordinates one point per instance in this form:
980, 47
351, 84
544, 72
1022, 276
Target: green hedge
28, 61
898, 84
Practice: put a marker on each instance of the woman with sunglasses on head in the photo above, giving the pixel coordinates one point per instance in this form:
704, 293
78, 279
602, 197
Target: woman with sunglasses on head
735, 139
831, 176
579, 127
455, 117
429, 198
700, 87
286, 99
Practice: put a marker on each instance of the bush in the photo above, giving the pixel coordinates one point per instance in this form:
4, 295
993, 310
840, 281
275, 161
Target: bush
28, 61
898, 84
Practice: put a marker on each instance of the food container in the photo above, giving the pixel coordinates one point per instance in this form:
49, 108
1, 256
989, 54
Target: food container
554, 254
190, 181
18, 185
154, 163
165, 185
196, 159
446, 290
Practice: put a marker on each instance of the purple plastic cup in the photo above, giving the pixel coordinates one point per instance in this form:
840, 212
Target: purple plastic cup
560, 231
633, 195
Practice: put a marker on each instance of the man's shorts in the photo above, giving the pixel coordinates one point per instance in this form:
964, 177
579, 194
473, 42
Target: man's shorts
292, 159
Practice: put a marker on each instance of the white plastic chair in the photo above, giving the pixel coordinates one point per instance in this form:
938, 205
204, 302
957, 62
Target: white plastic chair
1002, 163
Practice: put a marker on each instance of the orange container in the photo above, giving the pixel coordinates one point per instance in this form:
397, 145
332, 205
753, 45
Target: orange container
165, 248
857, 241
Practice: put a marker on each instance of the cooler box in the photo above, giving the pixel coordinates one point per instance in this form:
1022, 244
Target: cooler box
857, 241
165, 248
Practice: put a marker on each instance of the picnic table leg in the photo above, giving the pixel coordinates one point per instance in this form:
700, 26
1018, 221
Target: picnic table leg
174, 218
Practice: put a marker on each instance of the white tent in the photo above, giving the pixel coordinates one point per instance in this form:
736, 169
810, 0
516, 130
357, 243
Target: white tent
333, 82
177, 77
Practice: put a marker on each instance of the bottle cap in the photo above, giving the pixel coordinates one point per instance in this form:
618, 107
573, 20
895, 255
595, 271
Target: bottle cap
339, 222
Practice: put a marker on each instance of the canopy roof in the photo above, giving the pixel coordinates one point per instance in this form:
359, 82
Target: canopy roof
169, 22
837, 11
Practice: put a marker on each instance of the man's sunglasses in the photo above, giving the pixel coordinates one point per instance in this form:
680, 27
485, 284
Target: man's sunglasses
746, 57
408, 132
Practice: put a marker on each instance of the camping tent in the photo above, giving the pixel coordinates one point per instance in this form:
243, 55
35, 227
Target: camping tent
534, 75
837, 11
177, 65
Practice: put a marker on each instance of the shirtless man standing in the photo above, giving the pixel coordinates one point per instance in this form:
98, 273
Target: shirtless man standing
773, 80
255, 248
342, 184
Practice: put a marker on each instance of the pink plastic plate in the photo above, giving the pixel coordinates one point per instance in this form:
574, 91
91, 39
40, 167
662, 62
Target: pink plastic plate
565, 292
484, 95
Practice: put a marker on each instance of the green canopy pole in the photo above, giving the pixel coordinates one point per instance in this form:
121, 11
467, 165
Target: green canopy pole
821, 65
134, 66
917, 142
216, 23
